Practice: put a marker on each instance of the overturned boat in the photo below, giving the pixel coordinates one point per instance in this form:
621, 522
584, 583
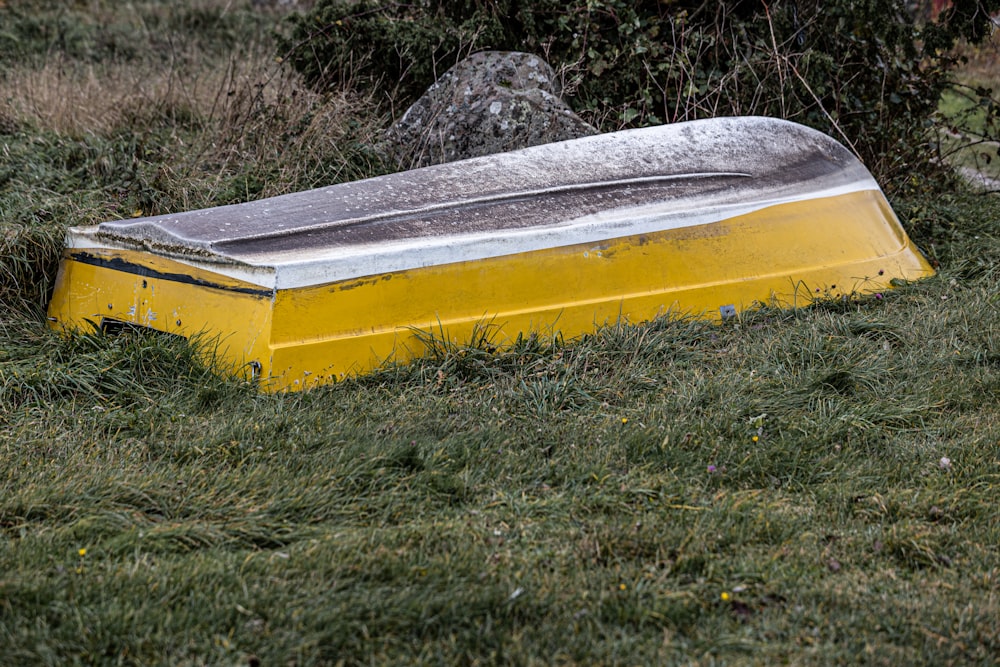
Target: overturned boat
707, 218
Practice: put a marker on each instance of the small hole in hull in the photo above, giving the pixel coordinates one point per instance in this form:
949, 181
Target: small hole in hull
113, 327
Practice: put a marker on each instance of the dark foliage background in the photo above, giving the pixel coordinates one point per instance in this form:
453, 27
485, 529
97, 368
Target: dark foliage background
869, 72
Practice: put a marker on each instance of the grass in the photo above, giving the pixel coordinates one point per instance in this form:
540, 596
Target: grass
968, 138
569, 517
807, 487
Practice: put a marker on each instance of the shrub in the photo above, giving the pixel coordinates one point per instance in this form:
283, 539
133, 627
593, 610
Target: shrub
865, 71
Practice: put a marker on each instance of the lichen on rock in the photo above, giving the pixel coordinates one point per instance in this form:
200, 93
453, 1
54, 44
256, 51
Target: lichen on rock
491, 102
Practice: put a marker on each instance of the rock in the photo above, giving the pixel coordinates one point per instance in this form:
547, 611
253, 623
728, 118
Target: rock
492, 101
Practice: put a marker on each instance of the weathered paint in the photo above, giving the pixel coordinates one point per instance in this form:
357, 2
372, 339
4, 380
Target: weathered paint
706, 218
581, 191
98, 286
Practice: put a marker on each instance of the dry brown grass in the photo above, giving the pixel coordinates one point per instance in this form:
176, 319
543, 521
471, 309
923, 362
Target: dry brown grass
73, 98
248, 113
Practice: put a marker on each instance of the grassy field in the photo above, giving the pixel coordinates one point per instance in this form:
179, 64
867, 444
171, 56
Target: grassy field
802, 487
971, 142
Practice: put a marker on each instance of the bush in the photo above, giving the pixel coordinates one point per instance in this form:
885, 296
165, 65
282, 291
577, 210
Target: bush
864, 71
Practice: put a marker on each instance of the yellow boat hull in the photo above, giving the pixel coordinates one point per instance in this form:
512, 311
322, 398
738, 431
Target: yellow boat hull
310, 332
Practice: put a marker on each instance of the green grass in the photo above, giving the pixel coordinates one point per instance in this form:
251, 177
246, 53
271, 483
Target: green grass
833, 471
969, 141
968, 138
546, 504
